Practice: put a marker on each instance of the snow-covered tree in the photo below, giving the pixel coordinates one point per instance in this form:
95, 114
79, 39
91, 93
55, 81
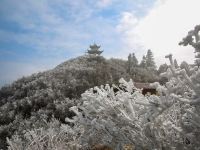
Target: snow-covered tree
193, 39
175, 63
109, 117
163, 68
129, 63
186, 66
132, 62
143, 62
150, 60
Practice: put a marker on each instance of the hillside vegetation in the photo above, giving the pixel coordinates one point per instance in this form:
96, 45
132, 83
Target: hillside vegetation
31, 102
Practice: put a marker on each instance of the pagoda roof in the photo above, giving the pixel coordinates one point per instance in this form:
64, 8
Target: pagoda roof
95, 51
94, 46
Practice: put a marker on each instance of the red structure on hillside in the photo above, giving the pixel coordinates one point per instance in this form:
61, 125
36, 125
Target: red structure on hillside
145, 88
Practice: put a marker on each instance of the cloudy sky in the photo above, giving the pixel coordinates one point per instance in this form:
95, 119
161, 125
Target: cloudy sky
36, 35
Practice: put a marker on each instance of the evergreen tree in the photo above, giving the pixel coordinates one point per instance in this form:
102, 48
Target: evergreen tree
134, 60
129, 63
150, 60
143, 62
134, 66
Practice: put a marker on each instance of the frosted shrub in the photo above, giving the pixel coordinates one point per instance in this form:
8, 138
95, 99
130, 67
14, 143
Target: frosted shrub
193, 39
111, 118
121, 118
55, 137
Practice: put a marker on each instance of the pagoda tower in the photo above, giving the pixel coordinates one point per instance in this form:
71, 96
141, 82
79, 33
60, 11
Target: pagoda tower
94, 50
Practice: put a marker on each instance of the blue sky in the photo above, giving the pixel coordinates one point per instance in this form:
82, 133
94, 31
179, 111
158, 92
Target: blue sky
37, 35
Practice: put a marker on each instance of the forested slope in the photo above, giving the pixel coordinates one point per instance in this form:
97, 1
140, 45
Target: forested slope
46, 94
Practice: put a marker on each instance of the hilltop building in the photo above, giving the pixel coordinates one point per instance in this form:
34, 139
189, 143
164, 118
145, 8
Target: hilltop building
94, 50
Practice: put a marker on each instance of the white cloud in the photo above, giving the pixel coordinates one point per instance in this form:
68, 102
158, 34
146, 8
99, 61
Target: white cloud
104, 3
128, 20
162, 29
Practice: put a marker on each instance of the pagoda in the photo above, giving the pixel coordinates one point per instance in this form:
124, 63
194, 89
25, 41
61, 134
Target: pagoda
94, 50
